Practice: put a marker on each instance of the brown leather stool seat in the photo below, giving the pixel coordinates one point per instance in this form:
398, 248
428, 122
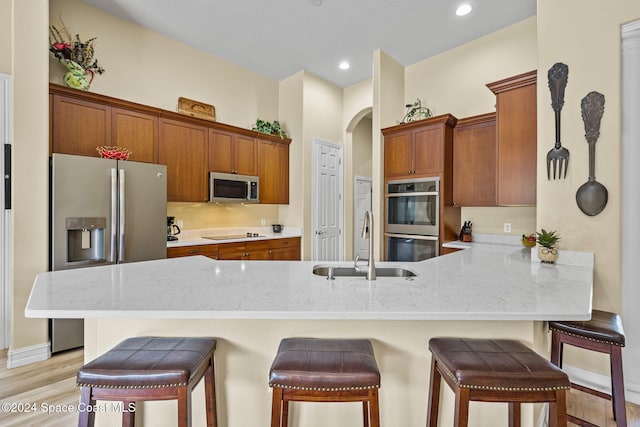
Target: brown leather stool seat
604, 334
150, 368
494, 370
324, 370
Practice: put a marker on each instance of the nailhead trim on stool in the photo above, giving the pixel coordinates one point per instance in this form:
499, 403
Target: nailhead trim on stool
150, 368
604, 334
324, 370
494, 370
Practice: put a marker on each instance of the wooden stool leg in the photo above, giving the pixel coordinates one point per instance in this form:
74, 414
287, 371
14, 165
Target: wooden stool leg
514, 414
86, 417
558, 410
276, 408
617, 386
434, 394
184, 407
128, 417
285, 413
365, 413
556, 349
461, 416
374, 408
210, 396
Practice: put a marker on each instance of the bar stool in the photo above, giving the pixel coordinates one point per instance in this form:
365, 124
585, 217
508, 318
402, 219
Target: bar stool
499, 370
604, 334
150, 368
324, 370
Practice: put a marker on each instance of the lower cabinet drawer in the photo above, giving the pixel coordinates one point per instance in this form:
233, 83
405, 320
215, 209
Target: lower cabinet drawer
210, 251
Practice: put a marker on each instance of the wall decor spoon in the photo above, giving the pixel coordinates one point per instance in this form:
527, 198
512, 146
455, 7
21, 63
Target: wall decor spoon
558, 155
592, 196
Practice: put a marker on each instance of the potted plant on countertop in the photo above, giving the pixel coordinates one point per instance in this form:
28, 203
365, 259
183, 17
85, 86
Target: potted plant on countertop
547, 240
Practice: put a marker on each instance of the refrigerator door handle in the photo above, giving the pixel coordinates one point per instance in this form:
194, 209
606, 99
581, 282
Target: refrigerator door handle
121, 216
114, 214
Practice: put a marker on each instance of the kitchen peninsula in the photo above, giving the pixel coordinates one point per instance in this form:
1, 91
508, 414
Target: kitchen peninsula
487, 290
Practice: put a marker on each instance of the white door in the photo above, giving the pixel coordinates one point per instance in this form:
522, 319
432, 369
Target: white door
5, 217
361, 204
327, 201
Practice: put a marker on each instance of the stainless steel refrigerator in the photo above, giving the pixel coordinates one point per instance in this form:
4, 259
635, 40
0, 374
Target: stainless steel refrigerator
103, 212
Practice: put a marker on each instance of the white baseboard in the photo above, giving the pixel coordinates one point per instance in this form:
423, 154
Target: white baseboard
26, 355
602, 383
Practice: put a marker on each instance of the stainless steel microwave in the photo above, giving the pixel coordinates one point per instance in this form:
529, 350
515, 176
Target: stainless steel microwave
232, 188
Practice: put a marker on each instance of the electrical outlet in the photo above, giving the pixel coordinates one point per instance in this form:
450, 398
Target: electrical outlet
179, 223
263, 221
507, 227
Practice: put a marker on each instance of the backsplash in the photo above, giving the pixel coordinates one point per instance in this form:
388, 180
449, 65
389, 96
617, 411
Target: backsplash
491, 220
195, 216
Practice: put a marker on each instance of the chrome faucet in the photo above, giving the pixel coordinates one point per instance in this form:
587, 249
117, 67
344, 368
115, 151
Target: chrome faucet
367, 233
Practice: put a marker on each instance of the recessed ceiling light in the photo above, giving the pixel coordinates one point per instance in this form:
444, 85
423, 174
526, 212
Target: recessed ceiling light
344, 65
316, 2
463, 9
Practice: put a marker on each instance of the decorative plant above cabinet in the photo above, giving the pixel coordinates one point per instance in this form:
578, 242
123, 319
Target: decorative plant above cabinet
270, 128
75, 55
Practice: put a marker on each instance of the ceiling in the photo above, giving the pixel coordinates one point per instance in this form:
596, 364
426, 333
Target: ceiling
278, 38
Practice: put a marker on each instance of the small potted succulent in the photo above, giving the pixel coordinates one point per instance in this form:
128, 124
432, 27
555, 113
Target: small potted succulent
547, 240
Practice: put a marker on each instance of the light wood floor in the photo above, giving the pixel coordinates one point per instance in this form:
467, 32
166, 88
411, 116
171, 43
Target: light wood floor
52, 382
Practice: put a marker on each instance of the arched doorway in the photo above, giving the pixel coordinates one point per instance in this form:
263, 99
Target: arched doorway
357, 173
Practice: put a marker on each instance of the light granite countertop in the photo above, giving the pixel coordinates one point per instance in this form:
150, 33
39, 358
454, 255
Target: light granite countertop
487, 281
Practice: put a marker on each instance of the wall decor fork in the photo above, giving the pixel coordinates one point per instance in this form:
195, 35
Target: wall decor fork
558, 155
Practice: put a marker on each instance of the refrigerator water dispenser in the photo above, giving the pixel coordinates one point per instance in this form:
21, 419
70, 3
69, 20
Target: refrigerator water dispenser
85, 239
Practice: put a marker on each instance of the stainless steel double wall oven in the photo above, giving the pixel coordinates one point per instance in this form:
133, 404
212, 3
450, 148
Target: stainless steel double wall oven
412, 219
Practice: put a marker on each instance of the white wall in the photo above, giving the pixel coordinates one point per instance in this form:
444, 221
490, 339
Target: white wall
146, 67
30, 130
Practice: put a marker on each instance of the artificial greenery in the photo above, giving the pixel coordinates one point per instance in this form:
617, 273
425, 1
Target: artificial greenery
547, 239
270, 128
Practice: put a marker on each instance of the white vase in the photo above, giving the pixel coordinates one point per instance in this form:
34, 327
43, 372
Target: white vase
547, 255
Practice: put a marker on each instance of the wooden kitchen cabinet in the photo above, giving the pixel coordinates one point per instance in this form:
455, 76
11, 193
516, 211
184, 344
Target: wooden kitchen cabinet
183, 147
474, 161
424, 149
418, 148
517, 139
82, 122
210, 251
79, 126
445, 251
251, 250
232, 153
137, 132
287, 249
273, 158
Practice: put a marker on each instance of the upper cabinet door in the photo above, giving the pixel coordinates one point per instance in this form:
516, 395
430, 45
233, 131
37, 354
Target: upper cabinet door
517, 139
274, 172
183, 147
474, 161
245, 155
231, 153
398, 159
220, 151
79, 126
428, 149
137, 132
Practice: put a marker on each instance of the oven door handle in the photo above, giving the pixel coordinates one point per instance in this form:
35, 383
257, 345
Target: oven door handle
420, 193
411, 236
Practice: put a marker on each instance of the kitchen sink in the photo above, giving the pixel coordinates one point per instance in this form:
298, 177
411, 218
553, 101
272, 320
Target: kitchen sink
332, 272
